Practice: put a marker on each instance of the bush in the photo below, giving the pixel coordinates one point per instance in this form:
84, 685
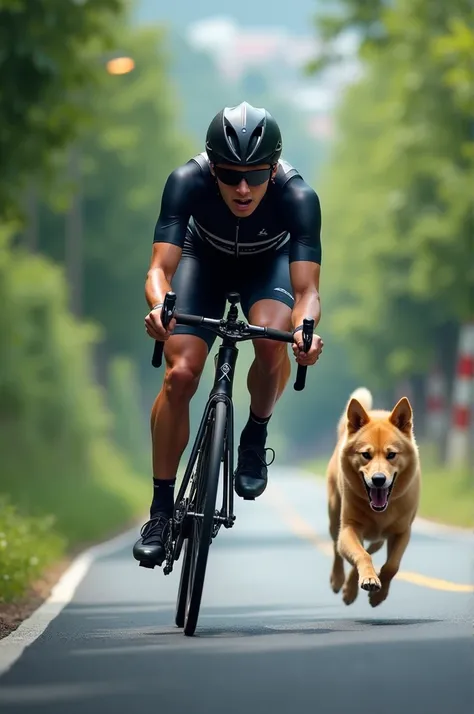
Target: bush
131, 428
58, 455
27, 546
447, 493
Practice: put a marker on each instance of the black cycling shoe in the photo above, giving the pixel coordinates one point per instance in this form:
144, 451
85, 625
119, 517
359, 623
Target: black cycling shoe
251, 474
150, 550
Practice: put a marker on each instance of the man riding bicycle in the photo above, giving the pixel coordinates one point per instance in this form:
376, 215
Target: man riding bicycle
235, 218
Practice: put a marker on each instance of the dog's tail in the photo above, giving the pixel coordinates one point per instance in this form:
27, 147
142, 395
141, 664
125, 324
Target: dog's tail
364, 396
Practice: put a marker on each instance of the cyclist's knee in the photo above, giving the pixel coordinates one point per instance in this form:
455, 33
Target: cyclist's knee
271, 313
271, 353
182, 379
184, 368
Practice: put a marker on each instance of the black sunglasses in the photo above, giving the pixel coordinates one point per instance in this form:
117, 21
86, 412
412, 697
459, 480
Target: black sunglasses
231, 177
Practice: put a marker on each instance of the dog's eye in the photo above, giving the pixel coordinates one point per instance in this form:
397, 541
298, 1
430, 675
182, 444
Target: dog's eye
366, 455
391, 455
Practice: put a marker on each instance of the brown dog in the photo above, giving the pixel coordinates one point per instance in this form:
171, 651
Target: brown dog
373, 482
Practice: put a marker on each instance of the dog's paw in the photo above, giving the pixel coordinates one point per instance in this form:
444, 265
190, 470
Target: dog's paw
370, 584
337, 579
377, 596
350, 591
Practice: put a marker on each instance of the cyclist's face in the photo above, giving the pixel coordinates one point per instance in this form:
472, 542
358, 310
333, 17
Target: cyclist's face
242, 195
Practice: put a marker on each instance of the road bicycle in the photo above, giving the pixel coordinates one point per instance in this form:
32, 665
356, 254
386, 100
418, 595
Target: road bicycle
196, 521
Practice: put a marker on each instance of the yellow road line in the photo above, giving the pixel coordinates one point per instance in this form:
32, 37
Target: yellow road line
305, 531
433, 583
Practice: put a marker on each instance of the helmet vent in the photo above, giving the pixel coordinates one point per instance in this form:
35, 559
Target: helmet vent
243, 135
232, 139
255, 140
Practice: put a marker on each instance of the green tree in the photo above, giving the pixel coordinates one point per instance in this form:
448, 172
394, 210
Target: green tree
135, 142
401, 257
59, 463
55, 436
48, 57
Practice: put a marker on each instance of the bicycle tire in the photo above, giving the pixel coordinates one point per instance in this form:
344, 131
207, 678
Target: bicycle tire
200, 547
183, 588
183, 584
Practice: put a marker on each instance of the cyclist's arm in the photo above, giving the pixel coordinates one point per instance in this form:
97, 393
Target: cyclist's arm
164, 261
303, 216
170, 230
304, 277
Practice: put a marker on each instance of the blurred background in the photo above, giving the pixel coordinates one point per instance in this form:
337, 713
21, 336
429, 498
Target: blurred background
99, 101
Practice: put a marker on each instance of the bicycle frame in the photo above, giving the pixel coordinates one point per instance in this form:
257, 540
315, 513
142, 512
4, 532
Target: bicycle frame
231, 331
221, 391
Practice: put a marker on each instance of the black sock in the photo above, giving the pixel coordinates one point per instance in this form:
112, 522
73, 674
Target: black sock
254, 432
163, 496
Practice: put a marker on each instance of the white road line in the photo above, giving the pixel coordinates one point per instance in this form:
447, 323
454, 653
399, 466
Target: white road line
13, 646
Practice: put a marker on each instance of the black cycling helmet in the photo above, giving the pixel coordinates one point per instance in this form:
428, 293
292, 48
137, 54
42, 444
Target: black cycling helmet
244, 136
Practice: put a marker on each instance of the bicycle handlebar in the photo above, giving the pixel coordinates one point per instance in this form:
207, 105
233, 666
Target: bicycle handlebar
236, 330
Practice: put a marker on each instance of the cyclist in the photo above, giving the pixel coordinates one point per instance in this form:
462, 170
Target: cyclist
234, 218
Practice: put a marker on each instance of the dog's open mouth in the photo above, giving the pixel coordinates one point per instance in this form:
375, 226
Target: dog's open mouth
379, 497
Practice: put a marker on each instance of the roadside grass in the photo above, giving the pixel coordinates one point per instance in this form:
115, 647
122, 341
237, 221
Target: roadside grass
28, 545
39, 526
447, 493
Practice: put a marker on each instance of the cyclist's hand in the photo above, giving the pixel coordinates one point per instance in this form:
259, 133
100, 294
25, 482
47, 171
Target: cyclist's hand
154, 327
310, 357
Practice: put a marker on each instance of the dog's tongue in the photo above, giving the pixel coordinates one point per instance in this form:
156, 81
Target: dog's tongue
379, 496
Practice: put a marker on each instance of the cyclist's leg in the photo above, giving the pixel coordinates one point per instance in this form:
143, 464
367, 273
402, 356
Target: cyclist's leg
267, 300
270, 370
185, 355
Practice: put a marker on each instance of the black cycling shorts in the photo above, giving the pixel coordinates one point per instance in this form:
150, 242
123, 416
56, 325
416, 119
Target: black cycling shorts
204, 277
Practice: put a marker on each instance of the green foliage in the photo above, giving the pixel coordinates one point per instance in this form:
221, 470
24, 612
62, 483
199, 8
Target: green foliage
135, 142
69, 461
50, 52
335, 19
57, 456
398, 200
27, 546
131, 430
447, 494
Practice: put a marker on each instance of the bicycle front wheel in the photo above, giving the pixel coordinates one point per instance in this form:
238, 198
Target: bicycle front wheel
205, 506
183, 588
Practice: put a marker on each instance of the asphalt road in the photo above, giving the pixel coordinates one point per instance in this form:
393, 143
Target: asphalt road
272, 637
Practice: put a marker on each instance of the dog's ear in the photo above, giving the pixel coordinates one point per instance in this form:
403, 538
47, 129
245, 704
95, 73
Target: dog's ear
357, 417
402, 416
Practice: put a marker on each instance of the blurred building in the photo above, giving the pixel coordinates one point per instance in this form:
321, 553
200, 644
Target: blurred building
275, 40
282, 57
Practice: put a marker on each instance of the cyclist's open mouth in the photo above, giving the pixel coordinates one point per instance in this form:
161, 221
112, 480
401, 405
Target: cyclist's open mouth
242, 203
379, 497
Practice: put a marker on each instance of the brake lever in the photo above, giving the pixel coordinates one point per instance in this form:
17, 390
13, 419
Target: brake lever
167, 312
308, 328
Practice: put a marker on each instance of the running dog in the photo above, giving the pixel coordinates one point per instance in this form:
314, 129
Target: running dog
373, 487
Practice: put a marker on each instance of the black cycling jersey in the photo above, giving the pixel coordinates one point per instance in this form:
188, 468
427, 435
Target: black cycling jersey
289, 213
